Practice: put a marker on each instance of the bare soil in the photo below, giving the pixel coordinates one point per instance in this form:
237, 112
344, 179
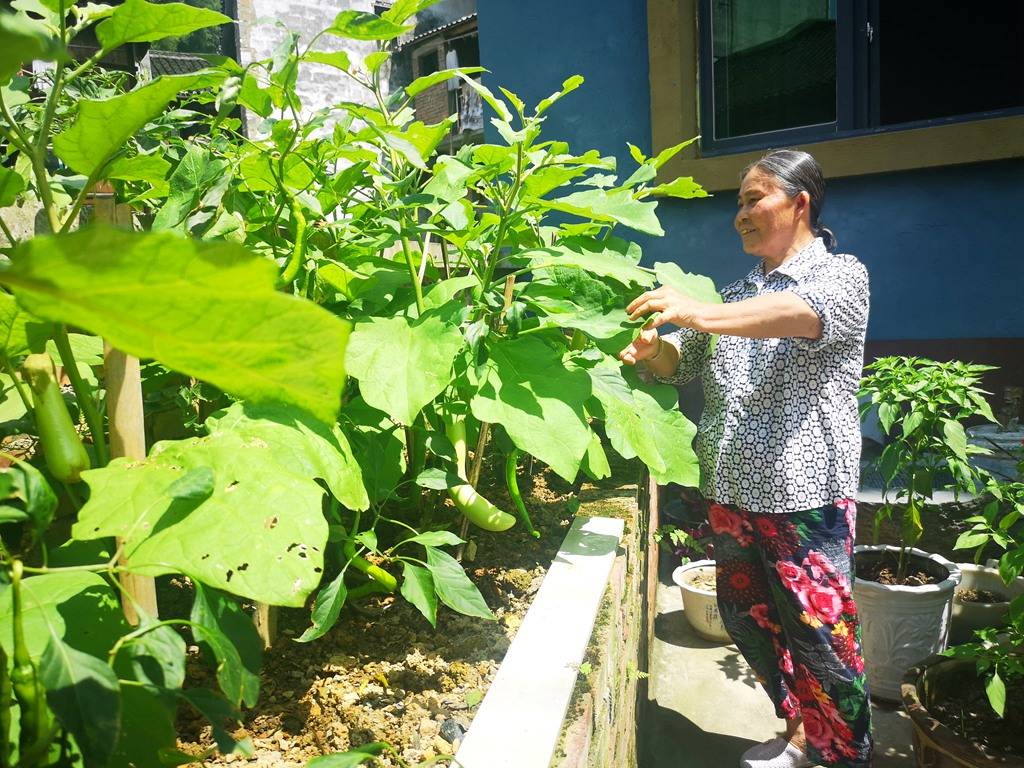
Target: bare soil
383, 673
971, 595
884, 572
968, 713
704, 580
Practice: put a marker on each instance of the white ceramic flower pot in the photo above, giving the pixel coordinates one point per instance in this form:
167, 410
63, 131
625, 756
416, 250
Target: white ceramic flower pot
968, 617
700, 605
901, 625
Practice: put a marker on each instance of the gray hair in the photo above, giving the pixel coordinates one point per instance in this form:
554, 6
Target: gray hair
795, 172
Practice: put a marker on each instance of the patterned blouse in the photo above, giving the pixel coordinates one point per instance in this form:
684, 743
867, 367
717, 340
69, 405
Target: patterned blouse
780, 430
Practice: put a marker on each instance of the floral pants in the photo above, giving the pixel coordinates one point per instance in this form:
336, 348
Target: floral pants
784, 593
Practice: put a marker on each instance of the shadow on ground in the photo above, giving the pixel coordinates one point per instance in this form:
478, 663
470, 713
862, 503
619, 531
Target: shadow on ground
670, 739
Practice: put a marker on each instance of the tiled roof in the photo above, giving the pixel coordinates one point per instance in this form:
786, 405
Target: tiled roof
438, 30
172, 62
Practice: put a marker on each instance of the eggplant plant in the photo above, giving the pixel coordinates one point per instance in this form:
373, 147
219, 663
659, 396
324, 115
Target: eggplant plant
376, 314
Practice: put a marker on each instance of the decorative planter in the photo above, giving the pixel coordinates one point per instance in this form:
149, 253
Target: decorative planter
936, 745
901, 625
968, 617
700, 605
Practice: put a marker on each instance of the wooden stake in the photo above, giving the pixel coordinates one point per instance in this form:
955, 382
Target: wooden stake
266, 623
124, 412
128, 439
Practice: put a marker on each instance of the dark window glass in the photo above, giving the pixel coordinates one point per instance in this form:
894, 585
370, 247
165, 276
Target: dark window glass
940, 59
426, 63
774, 65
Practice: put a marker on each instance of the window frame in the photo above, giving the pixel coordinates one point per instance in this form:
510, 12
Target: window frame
675, 86
857, 89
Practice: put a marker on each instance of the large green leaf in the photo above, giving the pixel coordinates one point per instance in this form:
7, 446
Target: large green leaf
228, 638
139, 21
149, 168
78, 606
206, 309
326, 608
402, 364
420, 84
453, 587
157, 657
278, 558
26, 497
196, 172
418, 589
612, 258
617, 206
694, 286
102, 126
644, 421
528, 390
147, 727
11, 185
84, 693
378, 444
20, 333
306, 446
22, 41
684, 187
360, 25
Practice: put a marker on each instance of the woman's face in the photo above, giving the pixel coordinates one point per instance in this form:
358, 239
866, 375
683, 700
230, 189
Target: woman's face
768, 220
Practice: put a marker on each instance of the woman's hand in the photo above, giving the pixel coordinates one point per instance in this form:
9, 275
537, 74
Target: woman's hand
646, 345
673, 307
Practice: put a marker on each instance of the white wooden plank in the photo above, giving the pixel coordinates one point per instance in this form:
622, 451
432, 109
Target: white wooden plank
520, 718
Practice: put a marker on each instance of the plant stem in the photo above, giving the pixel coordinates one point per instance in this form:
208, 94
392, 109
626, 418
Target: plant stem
7, 233
85, 401
417, 286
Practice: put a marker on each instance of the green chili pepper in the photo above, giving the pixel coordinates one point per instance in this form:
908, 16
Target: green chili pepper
375, 572
62, 447
513, 491
36, 728
6, 696
475, 507
299, 248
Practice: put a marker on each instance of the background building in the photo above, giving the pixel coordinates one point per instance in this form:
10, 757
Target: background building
915, 111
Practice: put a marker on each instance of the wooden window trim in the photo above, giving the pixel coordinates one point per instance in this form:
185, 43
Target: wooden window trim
672, 51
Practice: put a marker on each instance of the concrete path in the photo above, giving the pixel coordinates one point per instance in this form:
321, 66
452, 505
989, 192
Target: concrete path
706, 709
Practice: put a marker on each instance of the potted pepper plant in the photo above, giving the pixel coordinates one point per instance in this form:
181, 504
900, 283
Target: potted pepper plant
905, 594
967, 705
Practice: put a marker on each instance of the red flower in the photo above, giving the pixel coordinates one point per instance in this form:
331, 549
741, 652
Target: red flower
765, 526
822, 603
818, 730
724, 521
792, 575
759, 613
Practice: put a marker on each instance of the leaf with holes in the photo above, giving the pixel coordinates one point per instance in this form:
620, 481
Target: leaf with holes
277, 561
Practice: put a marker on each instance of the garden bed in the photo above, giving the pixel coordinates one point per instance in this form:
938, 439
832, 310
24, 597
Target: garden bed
383, 674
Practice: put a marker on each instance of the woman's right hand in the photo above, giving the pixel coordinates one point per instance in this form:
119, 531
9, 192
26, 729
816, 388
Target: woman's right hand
646, 345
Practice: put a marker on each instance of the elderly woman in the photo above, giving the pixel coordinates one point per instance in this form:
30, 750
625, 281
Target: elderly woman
779, 447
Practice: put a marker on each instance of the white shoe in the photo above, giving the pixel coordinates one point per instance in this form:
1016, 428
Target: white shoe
777, 753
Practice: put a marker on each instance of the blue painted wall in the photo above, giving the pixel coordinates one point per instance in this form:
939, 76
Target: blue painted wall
943, 246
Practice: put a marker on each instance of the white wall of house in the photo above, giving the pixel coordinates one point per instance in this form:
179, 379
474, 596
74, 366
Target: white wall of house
262, 27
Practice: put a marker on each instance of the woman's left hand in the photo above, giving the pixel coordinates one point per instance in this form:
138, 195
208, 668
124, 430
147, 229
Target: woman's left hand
673, 307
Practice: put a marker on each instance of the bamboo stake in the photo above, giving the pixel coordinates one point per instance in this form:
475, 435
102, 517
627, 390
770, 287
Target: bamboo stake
125, 414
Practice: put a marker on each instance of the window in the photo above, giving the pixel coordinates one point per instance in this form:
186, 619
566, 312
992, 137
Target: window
426, 63
811, 70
